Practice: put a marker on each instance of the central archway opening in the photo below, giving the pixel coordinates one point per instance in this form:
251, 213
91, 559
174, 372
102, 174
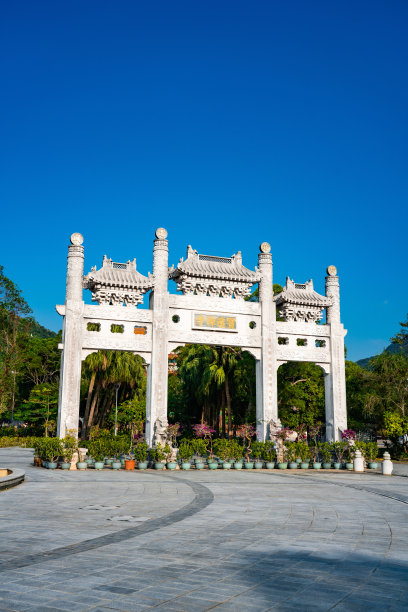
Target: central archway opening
112, 379
301, 395
212, 384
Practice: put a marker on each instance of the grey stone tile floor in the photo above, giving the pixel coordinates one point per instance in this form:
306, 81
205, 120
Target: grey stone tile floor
195, 541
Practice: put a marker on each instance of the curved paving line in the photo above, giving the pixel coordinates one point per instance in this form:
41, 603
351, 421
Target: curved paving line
203, 498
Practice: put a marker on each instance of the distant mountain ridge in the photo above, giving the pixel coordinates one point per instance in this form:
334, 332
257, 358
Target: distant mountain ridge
392, 348
38, 331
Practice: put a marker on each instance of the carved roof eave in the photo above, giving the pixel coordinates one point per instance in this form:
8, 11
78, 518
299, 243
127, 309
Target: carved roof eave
109, 276
302, 298
214, 268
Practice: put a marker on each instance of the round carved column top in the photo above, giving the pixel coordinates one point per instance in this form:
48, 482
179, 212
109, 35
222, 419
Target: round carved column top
332, 270
265, 247
161, 233
76, 239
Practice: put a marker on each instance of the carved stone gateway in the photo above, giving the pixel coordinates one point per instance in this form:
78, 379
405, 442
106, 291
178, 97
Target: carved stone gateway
211, 310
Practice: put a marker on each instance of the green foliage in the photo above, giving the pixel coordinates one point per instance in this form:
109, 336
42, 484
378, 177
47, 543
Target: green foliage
97, 449
300, 394
41, 407
222, 449
325, 450
257, 450
200, 446
140, 450
186, 450
269, 452
158, 454
290, 451
303, 451
340, 450
69, 446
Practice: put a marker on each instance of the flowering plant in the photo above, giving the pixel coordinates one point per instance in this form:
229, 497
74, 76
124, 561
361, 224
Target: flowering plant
283, 434
173, 431
302, 433
348, 434
247, 432
203, 430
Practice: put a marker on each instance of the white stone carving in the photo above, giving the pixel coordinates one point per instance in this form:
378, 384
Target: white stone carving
299, 302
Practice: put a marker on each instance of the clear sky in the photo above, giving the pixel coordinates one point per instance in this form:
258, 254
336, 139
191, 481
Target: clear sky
228, 123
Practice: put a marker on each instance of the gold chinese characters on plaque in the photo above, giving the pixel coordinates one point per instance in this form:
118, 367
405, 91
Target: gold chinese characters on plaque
217, 322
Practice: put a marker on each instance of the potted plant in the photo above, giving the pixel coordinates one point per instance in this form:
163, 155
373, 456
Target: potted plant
81, 464
130, 461
246, 432
140, 450
97, 450
237, 452
257, 451
282, 465
52, 451
203, 430
158, 456
325, 449
170, 465
223, 449
200, 448
349, 454
269, 454
291, 454
314, 431
186, 451
371, 451
339, 449
69, 445
303, 452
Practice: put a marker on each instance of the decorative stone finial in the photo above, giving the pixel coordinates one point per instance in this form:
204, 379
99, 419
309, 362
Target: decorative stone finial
161, 233
265, 247
77, 239
332, 270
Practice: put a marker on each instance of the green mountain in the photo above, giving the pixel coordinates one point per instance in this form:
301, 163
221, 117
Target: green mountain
392, 348
38, 331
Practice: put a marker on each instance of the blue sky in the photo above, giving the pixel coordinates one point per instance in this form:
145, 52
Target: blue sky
228, 123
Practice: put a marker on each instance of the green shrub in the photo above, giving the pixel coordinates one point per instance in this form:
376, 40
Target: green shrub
186, 450
269, 452
325, 449
257, 450
140, 450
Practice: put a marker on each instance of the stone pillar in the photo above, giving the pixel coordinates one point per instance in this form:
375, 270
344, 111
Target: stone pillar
70, 378
156, 400
335, 381
267, 391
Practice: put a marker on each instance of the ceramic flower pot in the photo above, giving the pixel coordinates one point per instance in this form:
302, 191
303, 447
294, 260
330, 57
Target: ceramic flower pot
327, 465
82, 465
142, 465
52, 465
304, 465
116, 465
337, 465
226, 465
99, 465
372, 465
158, 465
199, 465
108, 461
270, 465
282, 466
293, 465
130, 464
298, 460
349, 466
317, 465
248, 465
171, 465
258, 465
213, 466
65, 465
185, 465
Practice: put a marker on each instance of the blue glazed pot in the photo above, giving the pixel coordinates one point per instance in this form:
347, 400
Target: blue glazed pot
282, 466
116, 465
237, 465
258, 465
52, 465
142, 465
108, 461
270, 465
81, 465
349, 466
327, 466
337, 465
171, 465
199, 465
298, 460
65, 465
304, 465
158, 465
185, 465
317, 465
248, 465
372, 465
293, 465
226, 465
213, 466
99, 465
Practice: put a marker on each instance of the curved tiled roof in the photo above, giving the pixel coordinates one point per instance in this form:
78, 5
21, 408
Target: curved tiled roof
302, 295
220, 268
115, 274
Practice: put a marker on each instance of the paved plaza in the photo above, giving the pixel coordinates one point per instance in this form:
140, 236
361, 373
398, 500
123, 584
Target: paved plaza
193, 541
